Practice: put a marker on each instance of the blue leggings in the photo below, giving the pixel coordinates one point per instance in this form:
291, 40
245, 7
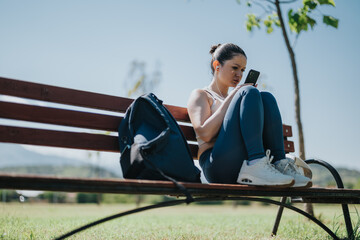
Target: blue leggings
252, 124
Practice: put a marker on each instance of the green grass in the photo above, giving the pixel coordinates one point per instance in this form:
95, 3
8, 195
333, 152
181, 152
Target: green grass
45, 221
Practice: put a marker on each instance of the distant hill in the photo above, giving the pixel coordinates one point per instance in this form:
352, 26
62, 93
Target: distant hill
16, 159
12, 155
323, 177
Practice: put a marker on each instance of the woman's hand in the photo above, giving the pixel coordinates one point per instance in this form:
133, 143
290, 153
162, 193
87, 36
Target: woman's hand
243, 85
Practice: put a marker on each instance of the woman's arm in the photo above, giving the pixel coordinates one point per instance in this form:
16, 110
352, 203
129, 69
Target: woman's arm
206, 125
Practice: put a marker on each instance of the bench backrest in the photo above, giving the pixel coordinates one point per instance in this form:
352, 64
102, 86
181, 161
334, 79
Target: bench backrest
88, 118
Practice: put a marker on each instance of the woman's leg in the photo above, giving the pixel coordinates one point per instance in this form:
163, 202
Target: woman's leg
239, 139
273, 140
273, 131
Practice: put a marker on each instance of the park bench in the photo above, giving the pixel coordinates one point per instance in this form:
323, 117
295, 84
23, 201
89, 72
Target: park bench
69, 115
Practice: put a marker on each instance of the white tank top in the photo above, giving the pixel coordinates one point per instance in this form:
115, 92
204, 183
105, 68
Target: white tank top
217, 101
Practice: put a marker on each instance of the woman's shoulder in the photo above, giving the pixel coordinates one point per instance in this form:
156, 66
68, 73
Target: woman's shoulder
198, 91
200, 95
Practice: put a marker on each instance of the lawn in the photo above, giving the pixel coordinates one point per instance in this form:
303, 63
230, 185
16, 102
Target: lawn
46, 221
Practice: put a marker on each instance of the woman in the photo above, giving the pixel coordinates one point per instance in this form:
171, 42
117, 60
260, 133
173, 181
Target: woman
237, 131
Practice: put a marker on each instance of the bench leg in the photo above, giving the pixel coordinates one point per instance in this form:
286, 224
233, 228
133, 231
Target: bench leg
278, 217
339, 184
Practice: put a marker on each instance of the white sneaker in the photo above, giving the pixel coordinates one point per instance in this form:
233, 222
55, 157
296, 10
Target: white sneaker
287, 166
304, 169
263, 173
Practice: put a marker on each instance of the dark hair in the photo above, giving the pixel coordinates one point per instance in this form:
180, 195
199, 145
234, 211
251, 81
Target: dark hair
224, 52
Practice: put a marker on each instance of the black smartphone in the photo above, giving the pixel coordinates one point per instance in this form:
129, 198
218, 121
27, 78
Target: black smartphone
252, 76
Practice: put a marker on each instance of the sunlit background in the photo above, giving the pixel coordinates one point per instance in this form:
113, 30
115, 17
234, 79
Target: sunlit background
102, 46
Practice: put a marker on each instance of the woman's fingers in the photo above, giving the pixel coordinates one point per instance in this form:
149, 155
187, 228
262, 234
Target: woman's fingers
242, 85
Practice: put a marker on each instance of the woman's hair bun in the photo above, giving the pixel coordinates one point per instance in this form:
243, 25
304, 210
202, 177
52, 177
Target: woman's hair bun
213, 48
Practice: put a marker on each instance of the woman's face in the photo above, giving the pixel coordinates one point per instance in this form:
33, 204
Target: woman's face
231, 72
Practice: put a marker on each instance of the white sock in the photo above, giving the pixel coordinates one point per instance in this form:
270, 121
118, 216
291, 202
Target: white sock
276, 163
252, 162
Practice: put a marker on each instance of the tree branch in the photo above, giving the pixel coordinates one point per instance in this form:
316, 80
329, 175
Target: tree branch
269, 1
263, 7
288, 1
295, 41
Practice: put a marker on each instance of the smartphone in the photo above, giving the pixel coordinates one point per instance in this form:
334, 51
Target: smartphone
252, 77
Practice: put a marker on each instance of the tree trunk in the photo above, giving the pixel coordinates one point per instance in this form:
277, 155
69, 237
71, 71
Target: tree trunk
308, 206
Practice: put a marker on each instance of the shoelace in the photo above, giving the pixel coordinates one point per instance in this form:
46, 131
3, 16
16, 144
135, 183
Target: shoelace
271, 166
292, 167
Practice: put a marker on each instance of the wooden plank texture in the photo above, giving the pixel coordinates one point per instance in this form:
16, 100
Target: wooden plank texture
69, 118
287, 130
49, 183
74, 97
83, 99
75, 140
51, 138
79, 119
59, 116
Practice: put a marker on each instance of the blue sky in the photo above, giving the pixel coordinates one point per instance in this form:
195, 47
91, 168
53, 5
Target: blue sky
89, 45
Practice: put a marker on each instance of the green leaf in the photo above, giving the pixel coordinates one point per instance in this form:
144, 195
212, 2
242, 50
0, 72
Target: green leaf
268, 23
238, 1
277, 23
269, 30
300, 20
331, 21
311, 22
310, 3
252, 21
327, 2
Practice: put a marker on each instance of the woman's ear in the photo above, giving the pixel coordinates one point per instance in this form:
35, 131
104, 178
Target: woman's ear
216, 65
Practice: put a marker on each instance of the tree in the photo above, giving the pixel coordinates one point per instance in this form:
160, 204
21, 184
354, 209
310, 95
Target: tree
298, 21
139, 81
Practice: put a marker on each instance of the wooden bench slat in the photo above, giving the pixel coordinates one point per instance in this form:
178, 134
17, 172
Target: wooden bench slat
73, 97
69, 118
59, 116
51, 138
330, 200
287, 131
289, 146
129, 186
61, 95
76, 140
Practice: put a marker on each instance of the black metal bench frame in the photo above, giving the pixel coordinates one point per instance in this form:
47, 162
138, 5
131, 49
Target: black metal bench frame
100, 142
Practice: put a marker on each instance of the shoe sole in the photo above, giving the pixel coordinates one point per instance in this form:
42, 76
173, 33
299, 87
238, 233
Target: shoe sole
308, 185
273, 186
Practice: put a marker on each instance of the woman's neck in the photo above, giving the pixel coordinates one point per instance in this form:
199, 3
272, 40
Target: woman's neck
219, 88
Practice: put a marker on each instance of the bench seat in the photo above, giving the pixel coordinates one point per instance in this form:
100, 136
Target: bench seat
129, 186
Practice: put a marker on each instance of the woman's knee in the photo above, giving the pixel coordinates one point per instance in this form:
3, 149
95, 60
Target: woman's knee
271, 107
267, 97
247, 91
